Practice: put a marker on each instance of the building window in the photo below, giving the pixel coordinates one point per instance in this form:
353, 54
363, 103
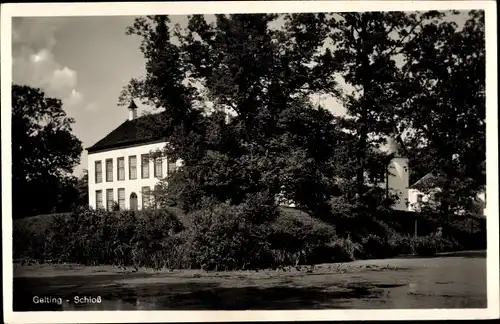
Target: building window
109, 199
109, 170
146, 196
121, 198
132, 167
172, 166
145, 166
121, 168
158, 167
98, 171
98, 199
420, 198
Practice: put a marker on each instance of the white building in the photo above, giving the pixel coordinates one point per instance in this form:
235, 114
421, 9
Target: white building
413, 197
397, 176
424, 190
119, 165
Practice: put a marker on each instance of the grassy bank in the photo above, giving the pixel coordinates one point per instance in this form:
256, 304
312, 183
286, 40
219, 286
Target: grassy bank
221, 238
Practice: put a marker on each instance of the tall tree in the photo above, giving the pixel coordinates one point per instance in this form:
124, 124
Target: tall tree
446, 70
368, 46
44, 152
82, 185
263, 77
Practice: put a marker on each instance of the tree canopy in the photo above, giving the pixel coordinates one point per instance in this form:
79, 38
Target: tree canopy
446, 107
44, 153
238, 109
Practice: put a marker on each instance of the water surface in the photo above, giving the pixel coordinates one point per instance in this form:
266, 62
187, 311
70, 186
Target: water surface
442, 282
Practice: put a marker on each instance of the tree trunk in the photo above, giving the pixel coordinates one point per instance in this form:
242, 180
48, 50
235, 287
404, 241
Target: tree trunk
365, 106
360, 172
445, 199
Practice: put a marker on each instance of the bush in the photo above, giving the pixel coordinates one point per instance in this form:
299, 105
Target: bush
343, 250
27, 243
425, 246
376, 247
400, 244
91, 237
254, 234
451, 245
223, 237
297, 238
154, 242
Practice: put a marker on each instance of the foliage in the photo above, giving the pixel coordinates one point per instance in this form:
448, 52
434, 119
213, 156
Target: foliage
156, 243
361, 220
82, 185
401, 244
296, 238
90, 236
262, 134
220, 236
261, 131
44, 153
237, 108
376, 247
445, 68
425, 245
344, 249
366, 48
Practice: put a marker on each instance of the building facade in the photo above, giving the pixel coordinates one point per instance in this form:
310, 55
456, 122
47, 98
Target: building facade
126, 176
424, 192
397, 177
397, 182
124, 167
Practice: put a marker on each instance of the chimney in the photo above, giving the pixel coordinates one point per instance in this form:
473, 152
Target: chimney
132, 110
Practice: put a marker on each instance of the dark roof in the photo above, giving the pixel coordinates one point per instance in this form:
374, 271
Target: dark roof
427, 181
137, 131
431, 180
395, 145
132, 105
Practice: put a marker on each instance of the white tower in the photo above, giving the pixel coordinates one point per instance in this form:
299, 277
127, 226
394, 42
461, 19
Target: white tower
132, 110
398, 177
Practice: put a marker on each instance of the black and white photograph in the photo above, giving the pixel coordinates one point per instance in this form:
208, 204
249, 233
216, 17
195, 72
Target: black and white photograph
337, 158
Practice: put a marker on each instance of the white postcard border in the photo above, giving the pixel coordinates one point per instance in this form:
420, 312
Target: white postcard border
182, 8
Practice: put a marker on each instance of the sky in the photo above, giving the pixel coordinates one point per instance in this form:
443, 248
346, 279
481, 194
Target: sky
85, 62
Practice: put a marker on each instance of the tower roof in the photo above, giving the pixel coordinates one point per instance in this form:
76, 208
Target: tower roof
394, 145
132, 105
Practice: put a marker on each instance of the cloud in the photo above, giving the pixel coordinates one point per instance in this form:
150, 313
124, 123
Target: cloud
62, 80
35, 33
34, 64
91, 106
73, 100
